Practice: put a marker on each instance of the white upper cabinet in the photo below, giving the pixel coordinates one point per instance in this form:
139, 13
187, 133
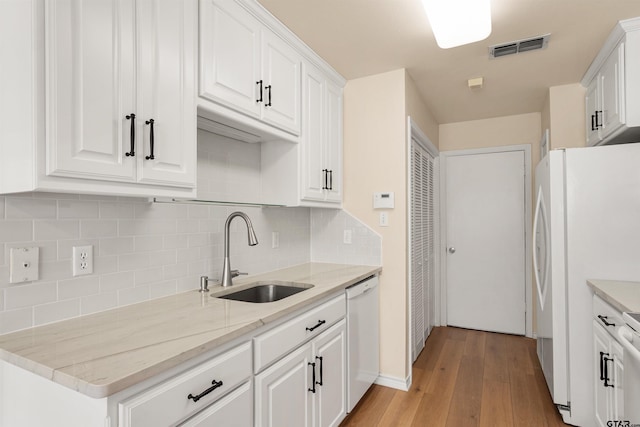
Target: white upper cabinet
167, 67
247, 67
108, 80
90, 89
321, 147
613, 88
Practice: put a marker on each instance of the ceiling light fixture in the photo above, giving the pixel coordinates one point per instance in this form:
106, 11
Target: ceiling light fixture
458, 22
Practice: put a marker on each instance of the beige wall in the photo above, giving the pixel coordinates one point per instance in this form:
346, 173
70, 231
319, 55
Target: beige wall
567, 116
375, 156
418, 111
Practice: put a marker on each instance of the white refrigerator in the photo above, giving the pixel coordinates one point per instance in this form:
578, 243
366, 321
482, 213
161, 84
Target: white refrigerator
586, 226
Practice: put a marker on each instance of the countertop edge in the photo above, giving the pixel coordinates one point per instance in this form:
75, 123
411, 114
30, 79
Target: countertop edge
99, 391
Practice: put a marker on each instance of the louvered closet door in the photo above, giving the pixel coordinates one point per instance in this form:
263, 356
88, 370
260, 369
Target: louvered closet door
422, 246
417, 300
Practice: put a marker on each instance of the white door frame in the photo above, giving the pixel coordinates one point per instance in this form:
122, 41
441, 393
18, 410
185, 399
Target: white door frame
526, 149
414, 132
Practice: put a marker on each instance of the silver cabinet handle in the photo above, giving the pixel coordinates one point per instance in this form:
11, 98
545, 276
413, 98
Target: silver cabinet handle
452, 250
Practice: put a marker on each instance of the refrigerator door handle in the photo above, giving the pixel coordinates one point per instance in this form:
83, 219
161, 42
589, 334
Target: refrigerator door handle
541, 282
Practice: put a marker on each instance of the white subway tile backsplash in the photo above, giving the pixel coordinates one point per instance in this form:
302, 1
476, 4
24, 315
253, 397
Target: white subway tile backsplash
55, 311
55, 230
131, 262
77, 209
105, 264
14, 320
116, 281
99, 302
116, 210
176, 241
148, 243
79, 287
150, 275
162, 289
144, 250
23, 208
99, 228
16, 231
133, 295
27, 295
116, 246
175, 271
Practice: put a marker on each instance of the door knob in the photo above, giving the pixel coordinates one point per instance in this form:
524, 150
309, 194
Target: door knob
452, 250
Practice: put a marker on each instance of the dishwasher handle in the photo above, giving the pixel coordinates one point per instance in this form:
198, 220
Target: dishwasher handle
361, 288
626, 338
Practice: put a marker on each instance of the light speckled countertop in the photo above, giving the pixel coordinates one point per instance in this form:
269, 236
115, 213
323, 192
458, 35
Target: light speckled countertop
103, 353
624, 296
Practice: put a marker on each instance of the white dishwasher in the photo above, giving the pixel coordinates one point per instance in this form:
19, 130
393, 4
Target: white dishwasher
363, 338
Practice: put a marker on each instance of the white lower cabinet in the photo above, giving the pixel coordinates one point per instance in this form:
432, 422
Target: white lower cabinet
190, 392
608, 358
306, 387
234, 410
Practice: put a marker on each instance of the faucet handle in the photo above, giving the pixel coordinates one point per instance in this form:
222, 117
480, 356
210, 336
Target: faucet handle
236, 273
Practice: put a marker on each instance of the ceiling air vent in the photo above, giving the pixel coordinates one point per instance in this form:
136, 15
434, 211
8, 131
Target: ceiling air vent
518, 46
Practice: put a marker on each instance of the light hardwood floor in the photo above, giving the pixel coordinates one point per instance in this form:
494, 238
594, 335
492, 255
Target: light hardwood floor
465, 378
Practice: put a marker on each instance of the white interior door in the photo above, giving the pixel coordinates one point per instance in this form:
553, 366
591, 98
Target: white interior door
486, 267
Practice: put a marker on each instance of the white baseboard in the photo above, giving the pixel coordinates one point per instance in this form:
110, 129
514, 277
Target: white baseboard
398, 383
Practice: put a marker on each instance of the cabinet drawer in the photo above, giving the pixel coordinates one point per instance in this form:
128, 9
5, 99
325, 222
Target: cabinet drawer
280, 340
606, 315
233, 410
168, 402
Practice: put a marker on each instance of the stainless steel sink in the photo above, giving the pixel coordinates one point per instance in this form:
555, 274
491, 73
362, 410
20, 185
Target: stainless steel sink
261, 292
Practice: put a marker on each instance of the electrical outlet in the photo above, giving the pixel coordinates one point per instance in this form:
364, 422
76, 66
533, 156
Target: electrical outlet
24, 264
275, 239
82, 260
346, 238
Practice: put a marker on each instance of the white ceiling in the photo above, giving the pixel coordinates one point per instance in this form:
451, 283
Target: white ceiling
365, 37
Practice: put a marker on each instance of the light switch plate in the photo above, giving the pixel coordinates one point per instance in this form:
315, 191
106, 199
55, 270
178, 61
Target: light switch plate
347, 237
24, 264
384, 219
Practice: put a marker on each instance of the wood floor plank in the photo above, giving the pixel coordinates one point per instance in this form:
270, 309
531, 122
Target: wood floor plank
519, 354
458, 334
526, 401
466, 401
432, 349
403, 407
496, 358
454, 385
475, 344
496, 409
371, 408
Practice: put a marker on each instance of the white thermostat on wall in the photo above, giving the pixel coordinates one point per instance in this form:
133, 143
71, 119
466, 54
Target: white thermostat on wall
383, 200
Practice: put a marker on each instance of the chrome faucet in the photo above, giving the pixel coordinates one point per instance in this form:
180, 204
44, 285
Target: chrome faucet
227, 272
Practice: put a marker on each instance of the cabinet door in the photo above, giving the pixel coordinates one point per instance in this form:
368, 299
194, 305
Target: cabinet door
166, 62
601, 350
329, 351
230, 56
90, 88
281, 71
333, 141
313, 171
611, 113
234, 410
282, 391
591, 101
617, 377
